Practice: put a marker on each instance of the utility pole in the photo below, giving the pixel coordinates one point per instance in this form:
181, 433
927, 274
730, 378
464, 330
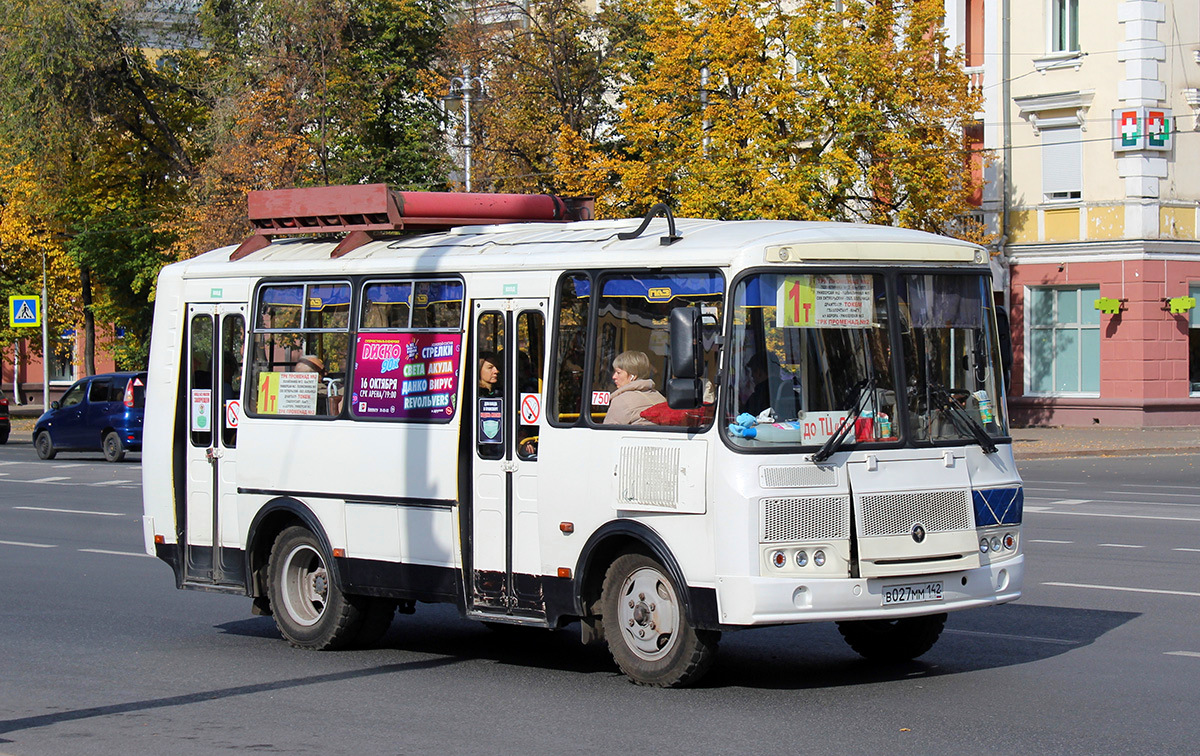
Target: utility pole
45, 339
464, 85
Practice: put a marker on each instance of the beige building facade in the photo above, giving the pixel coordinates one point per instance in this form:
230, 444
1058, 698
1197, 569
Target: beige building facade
1091, 110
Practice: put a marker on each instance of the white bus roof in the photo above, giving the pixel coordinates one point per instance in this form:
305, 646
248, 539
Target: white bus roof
586, 244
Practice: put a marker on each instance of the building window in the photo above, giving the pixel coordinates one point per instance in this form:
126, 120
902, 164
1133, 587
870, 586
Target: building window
1064, 26
1063, 347
62, 359
1062, 156
1194, 342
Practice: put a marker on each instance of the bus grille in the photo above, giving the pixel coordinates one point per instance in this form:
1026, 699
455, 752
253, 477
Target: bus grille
649, 476
896, 514
807, 518
796, 476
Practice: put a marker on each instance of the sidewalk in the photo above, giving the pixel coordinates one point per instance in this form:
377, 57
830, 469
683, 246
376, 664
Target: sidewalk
1101, 441
1028, 443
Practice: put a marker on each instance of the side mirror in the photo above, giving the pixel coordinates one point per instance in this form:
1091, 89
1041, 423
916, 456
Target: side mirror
54, 404
687, 361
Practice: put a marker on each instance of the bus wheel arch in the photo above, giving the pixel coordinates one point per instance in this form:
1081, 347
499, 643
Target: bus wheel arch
612, 541
274, 518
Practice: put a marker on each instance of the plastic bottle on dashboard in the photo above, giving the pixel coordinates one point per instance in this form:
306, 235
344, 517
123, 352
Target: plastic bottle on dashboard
885, 425
985, 406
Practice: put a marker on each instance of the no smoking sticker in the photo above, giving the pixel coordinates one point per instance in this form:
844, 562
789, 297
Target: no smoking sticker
531, 409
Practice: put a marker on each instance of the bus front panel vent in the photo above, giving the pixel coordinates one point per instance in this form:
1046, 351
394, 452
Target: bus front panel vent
805, 518
897, 514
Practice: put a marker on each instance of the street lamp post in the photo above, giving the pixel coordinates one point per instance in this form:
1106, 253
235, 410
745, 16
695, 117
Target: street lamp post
465, 85
45, 339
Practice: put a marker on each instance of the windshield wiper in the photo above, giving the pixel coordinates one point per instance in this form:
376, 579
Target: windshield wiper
960, 419
834, 442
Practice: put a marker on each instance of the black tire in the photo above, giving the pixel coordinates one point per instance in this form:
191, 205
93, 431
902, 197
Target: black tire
114, 449
646, 625
890, 641
44, 446
309, 608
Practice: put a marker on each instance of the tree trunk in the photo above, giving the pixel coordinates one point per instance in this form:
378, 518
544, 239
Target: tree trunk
89, 322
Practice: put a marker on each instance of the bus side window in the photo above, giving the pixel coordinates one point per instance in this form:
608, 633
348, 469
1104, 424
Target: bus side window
531, 329
567, 372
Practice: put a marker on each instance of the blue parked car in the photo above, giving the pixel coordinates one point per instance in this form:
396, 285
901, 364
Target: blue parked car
100, 412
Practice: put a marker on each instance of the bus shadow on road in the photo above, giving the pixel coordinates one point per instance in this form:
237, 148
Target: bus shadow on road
815, 656
786, 657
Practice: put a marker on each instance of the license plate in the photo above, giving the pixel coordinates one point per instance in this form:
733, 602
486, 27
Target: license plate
913, 593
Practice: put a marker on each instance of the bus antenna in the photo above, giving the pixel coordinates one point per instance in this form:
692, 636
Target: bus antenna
660, 208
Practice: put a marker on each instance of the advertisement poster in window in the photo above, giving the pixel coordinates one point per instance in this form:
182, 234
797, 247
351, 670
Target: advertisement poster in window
408, 376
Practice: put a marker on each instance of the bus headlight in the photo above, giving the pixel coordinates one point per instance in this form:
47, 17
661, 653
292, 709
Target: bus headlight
801, 558
995, 543
819, 558
984, 545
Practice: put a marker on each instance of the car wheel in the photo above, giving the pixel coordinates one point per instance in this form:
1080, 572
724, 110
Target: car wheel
44, 446
646, 625
114, 450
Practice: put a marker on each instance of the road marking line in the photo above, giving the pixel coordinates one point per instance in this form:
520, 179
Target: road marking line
1157, 485
47, 480
1069, 502
1194, 550
1028, 508
116, 553
1182, 653
1046, 540
1118, 516
1119, 588
66, 465
1039, 488
2, 464
110, 483
1007, 636
1122, 546
30, 545
71, 511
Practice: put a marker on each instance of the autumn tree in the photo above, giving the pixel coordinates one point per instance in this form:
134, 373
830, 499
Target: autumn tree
545, 66
849, 111
104, 135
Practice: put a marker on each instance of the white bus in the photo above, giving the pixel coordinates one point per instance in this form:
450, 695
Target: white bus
661, 429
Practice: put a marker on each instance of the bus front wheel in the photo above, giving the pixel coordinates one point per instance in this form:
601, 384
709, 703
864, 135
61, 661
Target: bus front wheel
309, 608
646, 627
891, 641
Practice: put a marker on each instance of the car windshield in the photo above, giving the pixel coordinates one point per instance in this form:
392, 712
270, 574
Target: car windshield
811, 354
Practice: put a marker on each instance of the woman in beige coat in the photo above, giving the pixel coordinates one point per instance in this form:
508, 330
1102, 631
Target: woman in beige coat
635, 391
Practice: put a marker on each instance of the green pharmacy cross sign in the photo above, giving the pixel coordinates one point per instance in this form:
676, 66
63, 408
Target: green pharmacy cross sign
24, 311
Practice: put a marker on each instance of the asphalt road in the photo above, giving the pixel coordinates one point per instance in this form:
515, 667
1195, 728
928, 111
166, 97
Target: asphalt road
101, 655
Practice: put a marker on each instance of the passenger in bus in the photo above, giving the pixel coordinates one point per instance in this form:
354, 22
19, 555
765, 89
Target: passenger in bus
489, 374
328, 402
635, 390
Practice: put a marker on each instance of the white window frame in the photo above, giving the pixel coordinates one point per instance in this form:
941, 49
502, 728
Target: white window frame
1062, 163
1193, 325
1059, 19
1056, 325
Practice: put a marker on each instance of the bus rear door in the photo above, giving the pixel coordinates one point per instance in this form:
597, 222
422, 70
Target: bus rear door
216, 348
504, 555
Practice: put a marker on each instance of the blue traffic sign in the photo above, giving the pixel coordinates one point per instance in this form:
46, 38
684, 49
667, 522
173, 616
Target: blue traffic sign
24, 312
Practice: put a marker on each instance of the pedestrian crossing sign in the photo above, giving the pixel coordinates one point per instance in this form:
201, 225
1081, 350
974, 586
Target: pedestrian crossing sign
24, 312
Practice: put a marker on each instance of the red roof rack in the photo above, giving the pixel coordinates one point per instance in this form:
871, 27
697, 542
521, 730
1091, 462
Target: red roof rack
364, 210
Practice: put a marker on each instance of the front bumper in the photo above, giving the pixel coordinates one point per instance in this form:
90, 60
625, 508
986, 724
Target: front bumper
774, 601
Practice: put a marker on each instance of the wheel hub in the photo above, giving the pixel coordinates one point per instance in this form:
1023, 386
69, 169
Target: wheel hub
649, 614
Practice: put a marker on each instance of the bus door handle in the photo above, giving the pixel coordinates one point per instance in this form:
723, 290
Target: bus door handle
509, 466
212, 455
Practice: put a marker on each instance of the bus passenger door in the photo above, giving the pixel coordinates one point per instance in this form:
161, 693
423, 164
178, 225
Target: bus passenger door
508, 367
216, 354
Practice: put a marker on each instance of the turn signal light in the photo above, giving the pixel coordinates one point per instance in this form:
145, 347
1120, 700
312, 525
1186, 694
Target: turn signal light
160, 539
564, 572
567, 527
339, 553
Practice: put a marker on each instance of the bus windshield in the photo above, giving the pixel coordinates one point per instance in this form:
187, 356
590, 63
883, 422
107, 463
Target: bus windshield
812, 354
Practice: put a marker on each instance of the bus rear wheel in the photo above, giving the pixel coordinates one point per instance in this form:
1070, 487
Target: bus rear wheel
891, 641
309, 608
647, 628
